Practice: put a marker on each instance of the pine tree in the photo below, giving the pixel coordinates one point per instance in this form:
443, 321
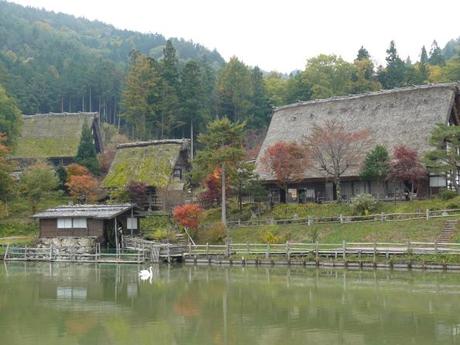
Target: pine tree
261, 108
234, 90
436, 57
86, 154
363, 54
140, 96
169, 98
222, 148
10, 118
394, 75
423, 66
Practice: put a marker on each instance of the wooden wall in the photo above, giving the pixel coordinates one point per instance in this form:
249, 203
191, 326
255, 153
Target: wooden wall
48, 228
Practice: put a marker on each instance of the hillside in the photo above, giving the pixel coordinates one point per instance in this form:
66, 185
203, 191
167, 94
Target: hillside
49, 61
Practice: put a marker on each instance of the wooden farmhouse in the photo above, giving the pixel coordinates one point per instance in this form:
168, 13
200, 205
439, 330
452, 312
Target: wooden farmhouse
97, 221
159, 164
404, 116
54, 137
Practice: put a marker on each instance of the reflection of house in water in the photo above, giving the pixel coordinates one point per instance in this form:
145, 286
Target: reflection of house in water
71, 293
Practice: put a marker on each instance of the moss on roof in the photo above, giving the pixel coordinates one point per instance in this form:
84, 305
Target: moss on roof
51, 135
151, 164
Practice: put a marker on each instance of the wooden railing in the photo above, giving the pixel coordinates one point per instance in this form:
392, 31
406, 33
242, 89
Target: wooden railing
336, 250
379, 217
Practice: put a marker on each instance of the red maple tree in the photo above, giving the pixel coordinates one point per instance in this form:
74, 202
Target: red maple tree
286, 161
188, 215
83, 188
406, 166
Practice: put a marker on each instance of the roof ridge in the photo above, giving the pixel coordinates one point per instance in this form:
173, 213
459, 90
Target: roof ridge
84, 113
153, 142
453, 85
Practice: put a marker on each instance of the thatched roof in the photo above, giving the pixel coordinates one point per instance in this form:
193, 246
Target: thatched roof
85, 211
53, 135
150, 162
393, 117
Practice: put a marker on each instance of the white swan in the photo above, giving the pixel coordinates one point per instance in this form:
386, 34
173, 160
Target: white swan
146, 274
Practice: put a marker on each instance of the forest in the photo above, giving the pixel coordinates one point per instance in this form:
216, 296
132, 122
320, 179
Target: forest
152, 87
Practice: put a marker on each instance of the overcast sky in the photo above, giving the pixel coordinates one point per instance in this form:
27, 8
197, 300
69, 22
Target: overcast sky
281, 35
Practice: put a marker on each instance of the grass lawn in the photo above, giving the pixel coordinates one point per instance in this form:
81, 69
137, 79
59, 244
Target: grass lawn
18, 221
416, 230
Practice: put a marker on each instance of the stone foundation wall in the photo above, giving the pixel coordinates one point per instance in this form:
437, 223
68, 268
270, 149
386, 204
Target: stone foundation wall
69, 245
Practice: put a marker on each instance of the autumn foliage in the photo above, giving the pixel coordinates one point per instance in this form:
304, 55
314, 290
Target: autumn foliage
335, 150
287, 162
82, 186
406, 166
188, 215
213, 189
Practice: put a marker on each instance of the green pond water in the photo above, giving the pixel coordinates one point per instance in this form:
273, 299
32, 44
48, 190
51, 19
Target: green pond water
107, 304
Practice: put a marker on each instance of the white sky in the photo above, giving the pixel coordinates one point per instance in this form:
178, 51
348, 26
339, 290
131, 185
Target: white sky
280, 35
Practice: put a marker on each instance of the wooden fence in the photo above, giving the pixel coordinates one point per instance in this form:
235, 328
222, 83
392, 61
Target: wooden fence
335, 250
381, 217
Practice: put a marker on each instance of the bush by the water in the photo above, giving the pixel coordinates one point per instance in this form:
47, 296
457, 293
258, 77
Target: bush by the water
447, 194
363, 204
270, 238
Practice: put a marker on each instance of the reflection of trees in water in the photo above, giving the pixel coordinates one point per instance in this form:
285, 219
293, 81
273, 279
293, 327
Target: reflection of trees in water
187, 305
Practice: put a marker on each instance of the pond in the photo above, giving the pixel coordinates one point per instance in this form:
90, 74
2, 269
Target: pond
46, 304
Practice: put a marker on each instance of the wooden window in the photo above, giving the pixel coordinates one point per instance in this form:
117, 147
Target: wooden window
132, 223
64, 223
177, 173
79, 223
72, 223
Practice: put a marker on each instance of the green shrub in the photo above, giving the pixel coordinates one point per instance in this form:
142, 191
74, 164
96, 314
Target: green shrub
363, 204
213, 234
288, 211
270, 238
453, 205
447, 194
155, 222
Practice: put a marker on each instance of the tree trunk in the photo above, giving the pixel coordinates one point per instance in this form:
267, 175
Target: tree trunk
191, 139
338, 190
224, 198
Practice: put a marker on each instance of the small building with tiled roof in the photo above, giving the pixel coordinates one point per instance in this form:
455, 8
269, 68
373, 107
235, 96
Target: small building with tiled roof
102, 222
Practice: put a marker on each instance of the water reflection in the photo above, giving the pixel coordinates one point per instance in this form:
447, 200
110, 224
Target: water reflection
107, 304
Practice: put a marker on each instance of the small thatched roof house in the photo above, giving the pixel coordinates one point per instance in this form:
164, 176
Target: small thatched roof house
159, 164
404, 116
55, 136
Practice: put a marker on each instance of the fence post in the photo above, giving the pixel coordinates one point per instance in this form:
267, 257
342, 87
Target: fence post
427, 214
248, 248
408, 247
25, 252
344, 247
375, 252
6, 251
267, 253
341, 219
308, 221
207, 250
436, 247
51, 252
317, 252
288, 255
382, 217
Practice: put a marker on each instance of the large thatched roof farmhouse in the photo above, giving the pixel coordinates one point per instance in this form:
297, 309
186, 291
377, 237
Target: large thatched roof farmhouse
404, 116
55, 136
160, 164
